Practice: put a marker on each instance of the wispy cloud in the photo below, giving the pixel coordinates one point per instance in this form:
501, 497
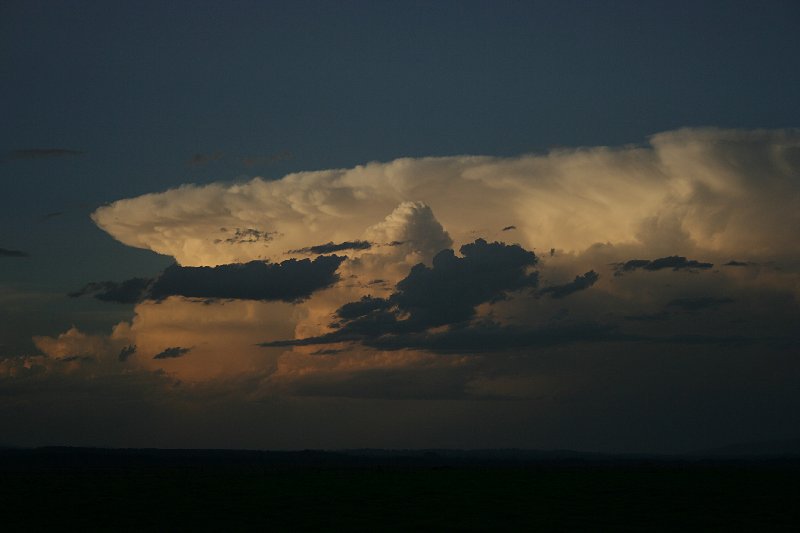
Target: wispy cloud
199, 160
580, 283
172, 353
126, 292
48, 216
332, 247
5, 252
126, 352
263, 160
43, 153
674, 262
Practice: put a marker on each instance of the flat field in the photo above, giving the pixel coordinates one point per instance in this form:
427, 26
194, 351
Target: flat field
182, 490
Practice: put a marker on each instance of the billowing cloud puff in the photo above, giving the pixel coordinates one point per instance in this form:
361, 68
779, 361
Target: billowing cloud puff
731, 192
442, 295
413, 230
73, 344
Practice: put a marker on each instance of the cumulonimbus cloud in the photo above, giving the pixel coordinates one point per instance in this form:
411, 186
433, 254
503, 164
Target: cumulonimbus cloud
664, 215
673, 216
702, 223
733, 192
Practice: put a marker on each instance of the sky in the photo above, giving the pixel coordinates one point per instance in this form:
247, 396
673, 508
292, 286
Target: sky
291, 225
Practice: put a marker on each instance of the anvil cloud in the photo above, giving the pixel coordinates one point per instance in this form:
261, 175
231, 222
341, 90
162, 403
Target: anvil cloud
730, 192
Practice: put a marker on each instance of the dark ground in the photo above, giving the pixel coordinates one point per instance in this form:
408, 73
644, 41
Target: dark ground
182, 490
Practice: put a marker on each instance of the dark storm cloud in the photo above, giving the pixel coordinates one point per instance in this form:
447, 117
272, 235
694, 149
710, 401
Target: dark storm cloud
126, 352
675, 262
449, 291
172, 353
362, 307
4, 252
331, 247
697, 303
508, 228
43, 153
578, 284
287, 281
79, 358
734, 263
445, 294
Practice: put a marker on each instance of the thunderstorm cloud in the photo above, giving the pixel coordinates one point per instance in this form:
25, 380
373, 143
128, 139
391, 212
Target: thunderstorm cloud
575, 277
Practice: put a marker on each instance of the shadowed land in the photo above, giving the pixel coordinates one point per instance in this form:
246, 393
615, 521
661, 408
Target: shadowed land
394, 490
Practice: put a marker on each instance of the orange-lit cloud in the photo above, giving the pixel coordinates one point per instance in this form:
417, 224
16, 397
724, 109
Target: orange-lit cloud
727, 191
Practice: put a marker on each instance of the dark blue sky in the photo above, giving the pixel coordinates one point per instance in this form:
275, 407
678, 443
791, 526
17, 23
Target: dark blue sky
143, 86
